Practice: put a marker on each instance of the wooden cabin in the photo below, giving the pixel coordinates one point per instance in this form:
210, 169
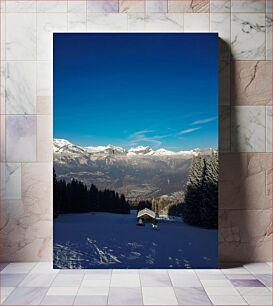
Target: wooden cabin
146, 215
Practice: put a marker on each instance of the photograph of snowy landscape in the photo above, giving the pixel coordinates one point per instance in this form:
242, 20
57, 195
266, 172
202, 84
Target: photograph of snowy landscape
135, 178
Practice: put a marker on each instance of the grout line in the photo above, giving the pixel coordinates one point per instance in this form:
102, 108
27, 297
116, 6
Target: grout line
107, 300
141, 288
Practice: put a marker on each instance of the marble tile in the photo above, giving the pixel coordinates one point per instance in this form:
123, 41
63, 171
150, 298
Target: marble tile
39, 231
160, 22
220, 23
97, 276
204, 274
3, 36
188, 6
248, 129
247, 187
58, 300
3, 87
11, 175
101, 22
12, 280
248, 6
12, 233
129, 280
258, 268
192, 296
88, 272
246, 283
216, 283
21, 6
159, 296
155, 280
136, 22
240, 240
266, 279
58, 6
96, 283
125, 296
5, 292
226, 291
182, 273
251, 83
154, 272
90, 300
196, 22
246, 291
47, 23
44, 78
220, 6
248, 36
102, 6
44, 105
224, 128
37, 191
20, 138
3, 6
38, 280
236, 271
21, 36
77, 22
20, 88
73, 271
268, 23
44, 138
18, 267
26, 296
62, 291
123, 273
77, 6
2, 135
185, 281
269, 6
156, 6
268, 128
67, 280
3, 265
131, 6
44, 268
240, 276
94, 291
258, 299
227, 300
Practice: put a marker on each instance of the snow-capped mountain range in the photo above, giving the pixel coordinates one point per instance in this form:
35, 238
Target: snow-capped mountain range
61, 145
139, 173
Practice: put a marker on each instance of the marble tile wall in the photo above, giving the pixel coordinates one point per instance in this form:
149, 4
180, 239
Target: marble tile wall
245, 111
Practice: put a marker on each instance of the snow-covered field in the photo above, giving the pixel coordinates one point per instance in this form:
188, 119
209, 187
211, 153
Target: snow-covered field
105, 240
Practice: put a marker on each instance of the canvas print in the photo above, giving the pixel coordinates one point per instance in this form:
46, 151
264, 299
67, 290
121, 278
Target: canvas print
135, 150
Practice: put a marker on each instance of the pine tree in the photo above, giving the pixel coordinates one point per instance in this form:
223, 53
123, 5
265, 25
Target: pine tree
209, 207
56, 202
193, 195
75, 197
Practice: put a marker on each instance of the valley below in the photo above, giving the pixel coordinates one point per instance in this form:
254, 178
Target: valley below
139, 173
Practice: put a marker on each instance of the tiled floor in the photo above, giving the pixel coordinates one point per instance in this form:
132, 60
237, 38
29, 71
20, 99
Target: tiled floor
39, 284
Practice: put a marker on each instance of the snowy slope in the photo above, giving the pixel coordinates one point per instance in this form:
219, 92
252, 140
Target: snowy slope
105, 240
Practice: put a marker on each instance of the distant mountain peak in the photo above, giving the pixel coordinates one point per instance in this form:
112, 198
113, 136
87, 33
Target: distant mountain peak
60, 145
61, 142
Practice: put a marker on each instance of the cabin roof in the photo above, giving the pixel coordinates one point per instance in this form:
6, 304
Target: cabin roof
146, 211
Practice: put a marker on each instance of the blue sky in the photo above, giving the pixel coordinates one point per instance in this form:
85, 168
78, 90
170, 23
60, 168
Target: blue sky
157, 90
